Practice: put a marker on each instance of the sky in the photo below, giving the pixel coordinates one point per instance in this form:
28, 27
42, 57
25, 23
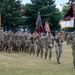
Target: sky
57, 2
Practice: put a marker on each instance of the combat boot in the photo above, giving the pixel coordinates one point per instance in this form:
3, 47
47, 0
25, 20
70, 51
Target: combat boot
58, 61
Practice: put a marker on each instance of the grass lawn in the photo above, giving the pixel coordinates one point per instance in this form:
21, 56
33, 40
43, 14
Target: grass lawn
24, 64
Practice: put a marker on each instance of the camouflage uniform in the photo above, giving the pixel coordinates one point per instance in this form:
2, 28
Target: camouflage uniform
17, 41
73, 47
5, 46
32, 44
10, 40
27, 42
40, 44
68, 41
22, 43
49, 45
58, 46
1, 39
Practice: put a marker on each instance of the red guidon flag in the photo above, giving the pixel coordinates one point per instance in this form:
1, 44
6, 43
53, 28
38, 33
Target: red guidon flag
39, 27
68, 20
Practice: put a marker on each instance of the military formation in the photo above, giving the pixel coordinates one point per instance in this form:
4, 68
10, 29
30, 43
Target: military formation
36, 44
39, 44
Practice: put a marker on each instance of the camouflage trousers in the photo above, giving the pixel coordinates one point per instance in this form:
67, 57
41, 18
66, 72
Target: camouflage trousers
22, 46
50, 52
40, 50
68, 42
1, 45
48, 48
10, 46
32, 48
27, 45
73, 54
58, 52
5, 46
16, 46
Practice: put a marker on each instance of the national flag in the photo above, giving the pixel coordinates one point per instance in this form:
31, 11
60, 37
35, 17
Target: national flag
39, 27
46, 27
68, 20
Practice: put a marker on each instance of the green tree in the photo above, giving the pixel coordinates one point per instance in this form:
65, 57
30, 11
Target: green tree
10, 11
48, 11
65, 9
72, 1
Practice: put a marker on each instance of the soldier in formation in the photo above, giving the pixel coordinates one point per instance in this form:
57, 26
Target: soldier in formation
49, 45
40, 44
25, 41
35, 43
72, 38
1, 38
31, 43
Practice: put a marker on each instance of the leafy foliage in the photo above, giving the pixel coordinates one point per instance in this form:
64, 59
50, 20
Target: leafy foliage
10, 11
65, 9
48, 11
13, 14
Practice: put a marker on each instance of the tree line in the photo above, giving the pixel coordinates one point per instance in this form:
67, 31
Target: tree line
14, 13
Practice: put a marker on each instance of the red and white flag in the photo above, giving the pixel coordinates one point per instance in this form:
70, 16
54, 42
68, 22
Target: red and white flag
68, 20
39, 27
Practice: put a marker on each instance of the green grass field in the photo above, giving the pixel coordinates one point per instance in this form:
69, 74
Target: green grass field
24, 64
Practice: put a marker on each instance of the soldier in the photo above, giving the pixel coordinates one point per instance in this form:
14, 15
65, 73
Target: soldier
5, 46
27, 42
49, 45
23, 41
10, 40
1, 38
40, 44
32, 43
58, 46
73, 47
17, 41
